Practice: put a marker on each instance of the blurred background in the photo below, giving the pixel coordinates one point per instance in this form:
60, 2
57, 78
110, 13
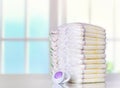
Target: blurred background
25, 25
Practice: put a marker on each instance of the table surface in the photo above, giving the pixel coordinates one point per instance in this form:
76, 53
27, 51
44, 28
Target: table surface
44, 81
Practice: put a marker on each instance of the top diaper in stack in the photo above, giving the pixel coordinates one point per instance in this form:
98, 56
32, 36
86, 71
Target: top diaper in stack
79, 49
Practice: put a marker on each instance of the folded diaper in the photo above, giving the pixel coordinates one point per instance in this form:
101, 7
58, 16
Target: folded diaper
86, 76
87, 80
82, 56
82, 34
85, 85
79, 49
87, 26
95, 31
86, 61
86, 38
87, 71
94, 35
95, 58
93, 51
94, 43
79, 30
87, 42
88, 66
95, 61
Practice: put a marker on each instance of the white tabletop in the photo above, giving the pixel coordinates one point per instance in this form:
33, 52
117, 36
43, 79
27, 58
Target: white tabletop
44, 81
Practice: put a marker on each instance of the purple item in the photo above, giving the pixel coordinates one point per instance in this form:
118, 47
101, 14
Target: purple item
58, 75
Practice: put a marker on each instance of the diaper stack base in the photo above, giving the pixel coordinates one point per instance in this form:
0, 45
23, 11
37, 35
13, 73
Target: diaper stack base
79, 49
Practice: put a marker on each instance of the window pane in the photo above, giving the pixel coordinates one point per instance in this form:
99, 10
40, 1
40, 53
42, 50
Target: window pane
117, 57
13, 11
14, 57
38, 11
117, 19
77, 11
39, 62
102, 15
110, 56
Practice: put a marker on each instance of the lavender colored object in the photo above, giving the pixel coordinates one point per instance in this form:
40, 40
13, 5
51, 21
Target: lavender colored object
58, 75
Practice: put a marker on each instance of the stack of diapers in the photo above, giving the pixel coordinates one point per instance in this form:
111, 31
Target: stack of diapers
79, 49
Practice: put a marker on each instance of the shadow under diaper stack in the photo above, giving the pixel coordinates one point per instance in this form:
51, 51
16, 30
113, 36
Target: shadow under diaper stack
79, 49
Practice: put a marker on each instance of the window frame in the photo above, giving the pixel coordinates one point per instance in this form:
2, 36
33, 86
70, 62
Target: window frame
25, 39
57, 7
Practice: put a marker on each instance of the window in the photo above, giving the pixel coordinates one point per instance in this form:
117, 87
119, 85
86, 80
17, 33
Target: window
104, 13
24, 36
24, 30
